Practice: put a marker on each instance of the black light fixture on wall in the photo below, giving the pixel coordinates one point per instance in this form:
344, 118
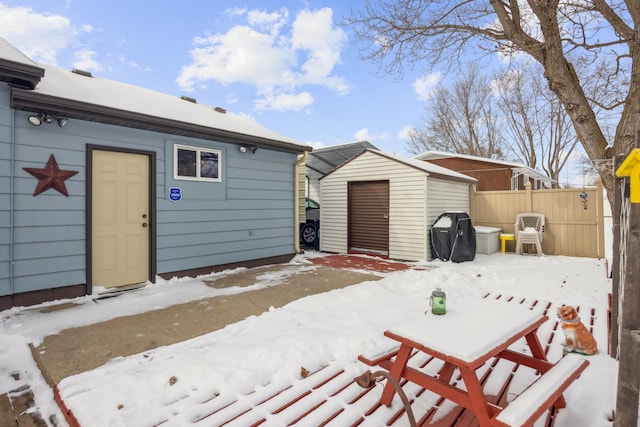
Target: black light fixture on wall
36, 120
246, 147
42, 117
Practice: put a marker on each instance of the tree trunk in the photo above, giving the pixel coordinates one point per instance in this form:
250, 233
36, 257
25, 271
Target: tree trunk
628, 393
628, 130
629, 356
563, 81
616, 214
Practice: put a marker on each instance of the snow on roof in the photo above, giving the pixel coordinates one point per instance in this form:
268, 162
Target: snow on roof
122, 100
16, 68
429, 155
9, 52
120, 96
429, 167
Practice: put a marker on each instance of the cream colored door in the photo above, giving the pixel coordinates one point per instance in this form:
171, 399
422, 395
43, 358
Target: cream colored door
120, 218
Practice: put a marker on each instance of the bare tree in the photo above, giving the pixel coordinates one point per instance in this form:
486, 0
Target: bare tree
536, 125
461, 120
513, 117
602, 35
589, 51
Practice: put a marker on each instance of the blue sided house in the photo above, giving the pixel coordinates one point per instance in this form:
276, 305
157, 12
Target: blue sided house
108, 185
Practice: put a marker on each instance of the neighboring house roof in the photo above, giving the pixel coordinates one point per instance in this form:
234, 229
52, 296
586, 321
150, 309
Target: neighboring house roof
430, 169
516, 167
324, 160
79, 95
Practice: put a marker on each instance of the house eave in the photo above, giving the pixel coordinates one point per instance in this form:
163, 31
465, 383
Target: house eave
32, 101
20, 74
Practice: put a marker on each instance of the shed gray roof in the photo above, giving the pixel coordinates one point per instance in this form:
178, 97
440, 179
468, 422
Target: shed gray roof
81, 96
324, 160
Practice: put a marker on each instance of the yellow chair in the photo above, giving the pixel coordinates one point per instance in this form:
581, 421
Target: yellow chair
504, 237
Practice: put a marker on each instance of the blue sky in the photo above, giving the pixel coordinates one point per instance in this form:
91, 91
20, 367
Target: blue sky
287, 64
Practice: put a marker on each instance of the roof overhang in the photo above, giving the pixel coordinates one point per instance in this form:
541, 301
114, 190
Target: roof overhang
532, 173
27, 100
20, 74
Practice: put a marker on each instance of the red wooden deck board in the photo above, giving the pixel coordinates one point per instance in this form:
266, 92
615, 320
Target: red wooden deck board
331, 398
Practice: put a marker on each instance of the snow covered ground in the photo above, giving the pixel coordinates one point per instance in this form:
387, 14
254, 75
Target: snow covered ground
170, 382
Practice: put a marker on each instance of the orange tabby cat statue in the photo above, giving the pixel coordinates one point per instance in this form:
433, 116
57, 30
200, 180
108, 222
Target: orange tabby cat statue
578, 339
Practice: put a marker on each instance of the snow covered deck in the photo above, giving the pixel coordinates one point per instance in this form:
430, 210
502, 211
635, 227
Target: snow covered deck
330, 397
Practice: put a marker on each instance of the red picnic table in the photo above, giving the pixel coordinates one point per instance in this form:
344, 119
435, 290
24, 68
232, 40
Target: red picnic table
471, 333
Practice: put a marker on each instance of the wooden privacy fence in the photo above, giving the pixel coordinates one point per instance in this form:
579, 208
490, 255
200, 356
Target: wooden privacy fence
574, 218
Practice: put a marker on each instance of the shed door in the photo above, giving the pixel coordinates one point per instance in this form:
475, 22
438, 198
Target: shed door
120, 218
369, 217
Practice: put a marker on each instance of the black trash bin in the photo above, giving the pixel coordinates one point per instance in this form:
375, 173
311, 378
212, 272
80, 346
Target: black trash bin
453, 237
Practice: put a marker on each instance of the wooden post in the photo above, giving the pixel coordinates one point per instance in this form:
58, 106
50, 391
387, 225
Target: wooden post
472, 202
527, 188
629, 355
615, 264
600, 218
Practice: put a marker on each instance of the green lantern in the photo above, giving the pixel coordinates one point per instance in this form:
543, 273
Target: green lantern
438, 302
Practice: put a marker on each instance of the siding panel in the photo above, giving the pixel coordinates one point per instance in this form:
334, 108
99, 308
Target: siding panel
412, 205
5, 199
248, 215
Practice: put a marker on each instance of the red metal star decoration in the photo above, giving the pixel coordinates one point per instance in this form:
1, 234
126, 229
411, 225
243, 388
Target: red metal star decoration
51, 177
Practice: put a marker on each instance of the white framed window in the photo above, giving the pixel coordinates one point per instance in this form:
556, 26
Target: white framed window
196, 163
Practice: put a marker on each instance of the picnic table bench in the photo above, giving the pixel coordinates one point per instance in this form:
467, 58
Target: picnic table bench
543, 394
444, 338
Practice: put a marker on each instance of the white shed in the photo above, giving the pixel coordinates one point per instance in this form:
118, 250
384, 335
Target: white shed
384, 204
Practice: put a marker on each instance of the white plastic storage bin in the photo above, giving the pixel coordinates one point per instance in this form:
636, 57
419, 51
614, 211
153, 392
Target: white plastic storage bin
487, 240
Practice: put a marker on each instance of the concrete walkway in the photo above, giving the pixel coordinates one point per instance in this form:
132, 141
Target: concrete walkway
81, 349
76, 350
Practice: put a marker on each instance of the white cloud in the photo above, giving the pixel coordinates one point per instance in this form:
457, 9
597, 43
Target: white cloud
40, 37
315, 144
235, 11
364, 135
84, 60
313, 32
242, 55
425, 85
231, 98
284, 101
271, 22
276, 62
405, 131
